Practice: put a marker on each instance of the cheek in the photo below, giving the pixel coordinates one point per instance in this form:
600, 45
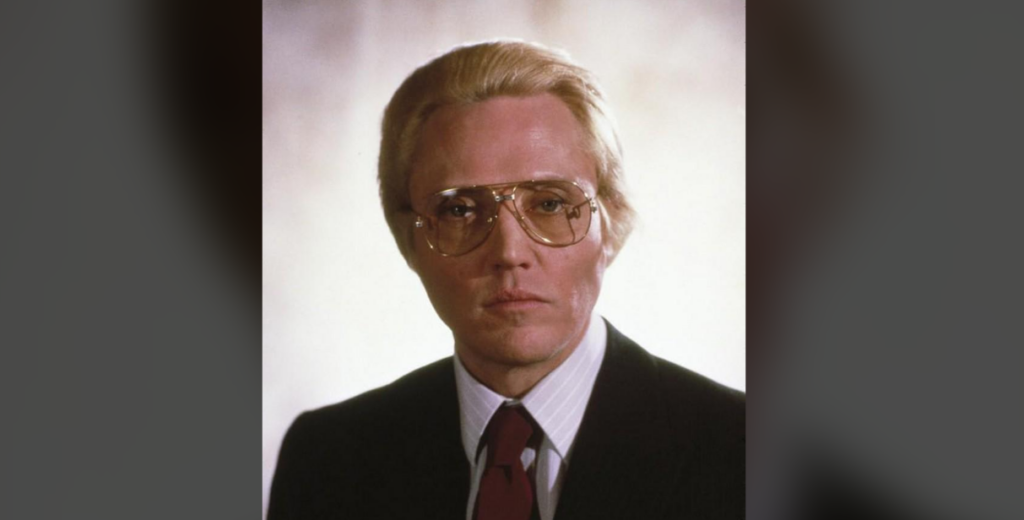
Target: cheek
447, 286
582, 279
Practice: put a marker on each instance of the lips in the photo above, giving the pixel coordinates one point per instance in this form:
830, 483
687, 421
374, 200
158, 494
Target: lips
508, 298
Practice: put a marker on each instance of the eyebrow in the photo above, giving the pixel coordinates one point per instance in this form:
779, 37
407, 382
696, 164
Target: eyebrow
499, 184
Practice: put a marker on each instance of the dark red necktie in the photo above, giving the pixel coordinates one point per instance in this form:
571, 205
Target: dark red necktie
505, 489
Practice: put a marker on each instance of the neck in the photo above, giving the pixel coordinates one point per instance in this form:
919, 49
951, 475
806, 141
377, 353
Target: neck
514, 380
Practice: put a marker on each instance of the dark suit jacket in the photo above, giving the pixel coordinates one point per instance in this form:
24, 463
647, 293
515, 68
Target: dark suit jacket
657, 441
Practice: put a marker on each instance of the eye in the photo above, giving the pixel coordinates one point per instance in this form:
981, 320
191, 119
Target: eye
456, 209
550, 205
460, 210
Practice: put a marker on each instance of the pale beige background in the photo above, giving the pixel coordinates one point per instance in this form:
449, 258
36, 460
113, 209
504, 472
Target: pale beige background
343, 314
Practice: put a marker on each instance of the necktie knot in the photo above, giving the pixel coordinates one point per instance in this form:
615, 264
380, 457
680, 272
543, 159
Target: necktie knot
507, 435
506, 492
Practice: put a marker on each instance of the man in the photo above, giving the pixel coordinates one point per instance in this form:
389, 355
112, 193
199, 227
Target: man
501, 180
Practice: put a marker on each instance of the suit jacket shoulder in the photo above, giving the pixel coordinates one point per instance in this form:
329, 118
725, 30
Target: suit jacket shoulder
709, 411
340, 461
657, 441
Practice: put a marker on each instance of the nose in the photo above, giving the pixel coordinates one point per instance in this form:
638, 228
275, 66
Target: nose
508, 247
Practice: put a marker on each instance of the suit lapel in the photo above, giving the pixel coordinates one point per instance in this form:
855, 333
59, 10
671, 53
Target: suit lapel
620, 462
435, 482
448, 463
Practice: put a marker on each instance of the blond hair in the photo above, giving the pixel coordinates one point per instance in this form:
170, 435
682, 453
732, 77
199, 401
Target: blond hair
477, 72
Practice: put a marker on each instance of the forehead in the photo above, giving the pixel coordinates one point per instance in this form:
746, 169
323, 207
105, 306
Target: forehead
503, 139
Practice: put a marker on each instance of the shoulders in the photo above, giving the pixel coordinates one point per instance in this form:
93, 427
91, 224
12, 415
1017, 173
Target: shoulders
334, 458
693, 402
714, 415
697, 394
673, 439
417, 394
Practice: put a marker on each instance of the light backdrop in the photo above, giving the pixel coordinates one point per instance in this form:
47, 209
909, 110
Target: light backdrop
341, 311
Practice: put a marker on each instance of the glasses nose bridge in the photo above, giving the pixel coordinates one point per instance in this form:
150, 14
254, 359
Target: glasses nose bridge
509, 195
499, 200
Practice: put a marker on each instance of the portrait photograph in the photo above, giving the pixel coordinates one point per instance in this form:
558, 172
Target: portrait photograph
512, 260
504, 259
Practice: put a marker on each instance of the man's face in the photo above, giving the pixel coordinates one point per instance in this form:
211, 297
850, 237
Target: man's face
554, 290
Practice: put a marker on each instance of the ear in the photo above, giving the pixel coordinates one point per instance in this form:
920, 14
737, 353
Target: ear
409, 251
410, 256
607, 250
607, 253
410, 260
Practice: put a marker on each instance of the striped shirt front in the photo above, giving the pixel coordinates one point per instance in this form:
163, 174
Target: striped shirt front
556, 403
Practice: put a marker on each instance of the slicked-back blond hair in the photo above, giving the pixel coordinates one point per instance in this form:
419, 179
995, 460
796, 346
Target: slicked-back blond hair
477, 72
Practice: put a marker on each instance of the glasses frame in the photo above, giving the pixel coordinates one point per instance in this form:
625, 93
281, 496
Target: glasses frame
493, 219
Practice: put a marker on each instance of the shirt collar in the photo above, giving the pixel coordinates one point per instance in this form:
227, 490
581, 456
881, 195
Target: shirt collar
557, 402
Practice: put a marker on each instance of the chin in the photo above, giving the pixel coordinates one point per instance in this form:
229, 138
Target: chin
518, 345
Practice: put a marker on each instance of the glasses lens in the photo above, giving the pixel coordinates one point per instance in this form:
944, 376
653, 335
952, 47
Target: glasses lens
460, 219
556, 212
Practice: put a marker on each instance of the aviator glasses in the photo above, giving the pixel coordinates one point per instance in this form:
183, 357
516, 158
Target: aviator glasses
555, 213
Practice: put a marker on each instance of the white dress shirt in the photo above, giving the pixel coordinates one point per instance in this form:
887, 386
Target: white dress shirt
556, 403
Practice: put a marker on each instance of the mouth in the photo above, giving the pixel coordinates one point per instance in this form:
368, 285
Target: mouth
513, 300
